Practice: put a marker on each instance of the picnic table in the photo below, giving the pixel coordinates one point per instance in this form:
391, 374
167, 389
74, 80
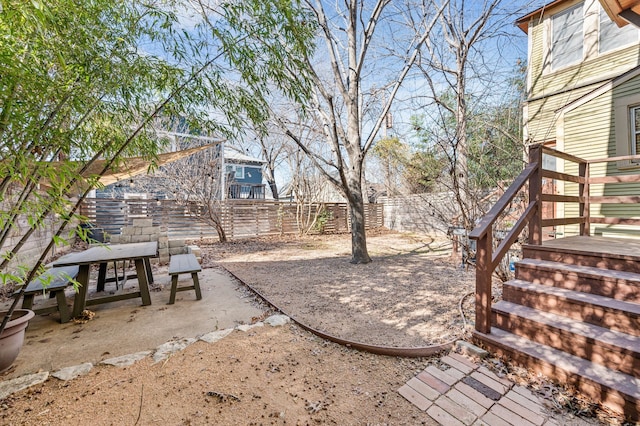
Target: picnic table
139, 253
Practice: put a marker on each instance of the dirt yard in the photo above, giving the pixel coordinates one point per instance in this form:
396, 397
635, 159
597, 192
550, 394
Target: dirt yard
408, 296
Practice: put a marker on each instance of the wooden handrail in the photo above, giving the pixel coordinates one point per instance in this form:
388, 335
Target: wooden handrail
489, 219
616, 179
562, 155
562, 176
512, 236
488, 258
611, 159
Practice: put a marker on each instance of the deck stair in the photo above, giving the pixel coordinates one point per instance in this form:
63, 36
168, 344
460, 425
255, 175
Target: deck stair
573, 313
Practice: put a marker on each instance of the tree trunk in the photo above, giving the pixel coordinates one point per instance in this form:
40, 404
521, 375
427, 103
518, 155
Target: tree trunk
359, 252
222, 235
274, 189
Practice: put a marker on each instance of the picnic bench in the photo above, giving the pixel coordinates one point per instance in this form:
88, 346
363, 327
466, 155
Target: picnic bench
101, 255
58, 279
184, 264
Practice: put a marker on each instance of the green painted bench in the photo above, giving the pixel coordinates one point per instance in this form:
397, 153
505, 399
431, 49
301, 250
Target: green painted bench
184, 264
60, 279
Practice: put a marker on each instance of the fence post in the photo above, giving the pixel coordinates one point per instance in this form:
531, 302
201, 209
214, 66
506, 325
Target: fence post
484, 271
535, 189
583, 192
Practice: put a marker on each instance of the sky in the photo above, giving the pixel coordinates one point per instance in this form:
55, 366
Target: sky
500, 56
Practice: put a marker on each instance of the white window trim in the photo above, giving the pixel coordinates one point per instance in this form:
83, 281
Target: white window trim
238, 170
622, 116
620, 47
633, 131
550, 38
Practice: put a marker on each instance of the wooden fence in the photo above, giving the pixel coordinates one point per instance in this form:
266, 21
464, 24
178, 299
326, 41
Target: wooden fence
241, 218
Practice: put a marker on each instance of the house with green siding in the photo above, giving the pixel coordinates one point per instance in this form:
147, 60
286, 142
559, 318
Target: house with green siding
583, 99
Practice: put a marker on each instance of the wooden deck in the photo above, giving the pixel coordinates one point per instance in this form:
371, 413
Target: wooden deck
623, 247
573, 310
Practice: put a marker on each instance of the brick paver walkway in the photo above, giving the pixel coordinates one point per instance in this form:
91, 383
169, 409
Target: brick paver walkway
467, 393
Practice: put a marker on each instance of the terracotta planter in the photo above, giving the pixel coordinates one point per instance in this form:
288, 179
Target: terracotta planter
12, 336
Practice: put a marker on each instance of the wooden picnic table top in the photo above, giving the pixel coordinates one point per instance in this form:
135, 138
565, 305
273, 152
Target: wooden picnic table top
109, 253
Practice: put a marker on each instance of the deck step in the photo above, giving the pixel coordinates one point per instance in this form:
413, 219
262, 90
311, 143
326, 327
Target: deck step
594, 309
621, 285
616, 390
591, 255
613, 349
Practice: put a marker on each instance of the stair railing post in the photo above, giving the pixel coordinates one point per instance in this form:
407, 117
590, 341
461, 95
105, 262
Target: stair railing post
484, 271
583, 192
535, 189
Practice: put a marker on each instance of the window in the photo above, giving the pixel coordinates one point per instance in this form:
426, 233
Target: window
627, 129
238, 171
567, 37
635, 129
611, 36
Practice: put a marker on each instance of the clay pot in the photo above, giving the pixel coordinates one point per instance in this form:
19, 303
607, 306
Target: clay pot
12, 336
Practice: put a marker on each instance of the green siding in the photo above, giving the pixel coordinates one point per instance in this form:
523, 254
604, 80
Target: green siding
589, 132
552, 90
607, 65
541, 124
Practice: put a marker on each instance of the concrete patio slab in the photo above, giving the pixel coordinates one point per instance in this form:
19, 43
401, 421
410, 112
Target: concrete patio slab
126, 327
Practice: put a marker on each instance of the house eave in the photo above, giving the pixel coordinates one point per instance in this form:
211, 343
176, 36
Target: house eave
523, 22
622, 12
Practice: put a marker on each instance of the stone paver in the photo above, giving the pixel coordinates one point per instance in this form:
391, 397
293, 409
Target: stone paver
441, 375
458, 411
442, 417
433, 381
423, 388
464, 367
496, 386
415, 397
509, 416
523, 412
461, 399
468, 393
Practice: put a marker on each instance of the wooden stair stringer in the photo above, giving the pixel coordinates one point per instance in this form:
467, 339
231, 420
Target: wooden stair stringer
598, 310
620, 285
610, 348
581, 257
616, 390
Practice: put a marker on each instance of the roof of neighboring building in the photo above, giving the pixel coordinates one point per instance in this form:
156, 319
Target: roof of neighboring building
231, 155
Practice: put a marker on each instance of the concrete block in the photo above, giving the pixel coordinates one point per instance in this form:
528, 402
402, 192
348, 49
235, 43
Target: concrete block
125, 239
195, 250
127, 230
471, 349
149, 230
139, 239
177, 250
163, 244
115, 239
176, 243
142, 223
164, 229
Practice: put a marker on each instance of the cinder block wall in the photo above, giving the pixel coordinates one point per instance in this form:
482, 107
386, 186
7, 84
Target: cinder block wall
143, 231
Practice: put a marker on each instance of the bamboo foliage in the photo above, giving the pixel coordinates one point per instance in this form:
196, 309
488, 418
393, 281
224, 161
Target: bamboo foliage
84, 81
